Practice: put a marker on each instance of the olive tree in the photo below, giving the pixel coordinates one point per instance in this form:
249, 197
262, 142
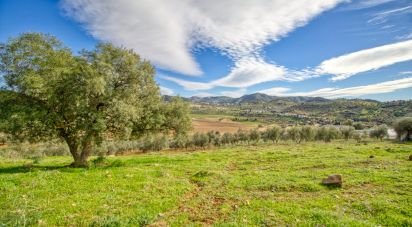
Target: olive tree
273, 133
403, 128
51, 93
347, 132
379, 132
294, 133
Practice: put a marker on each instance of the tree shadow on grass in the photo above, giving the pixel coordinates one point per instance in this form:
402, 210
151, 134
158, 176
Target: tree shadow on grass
31, 168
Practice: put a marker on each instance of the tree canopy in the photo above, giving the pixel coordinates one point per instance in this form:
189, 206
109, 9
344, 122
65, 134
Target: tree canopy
83, 99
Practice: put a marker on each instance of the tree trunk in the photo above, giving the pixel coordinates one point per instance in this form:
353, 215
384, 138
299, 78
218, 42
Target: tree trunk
79, 159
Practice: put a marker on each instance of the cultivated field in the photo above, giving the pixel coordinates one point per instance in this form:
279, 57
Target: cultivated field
206, 123
264, 185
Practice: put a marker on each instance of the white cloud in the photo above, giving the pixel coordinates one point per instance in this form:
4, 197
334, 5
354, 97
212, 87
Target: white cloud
347, 65
166, 91
203, 94
189, 85
234, 94
381, 17
384, 87
247, 72
405, 36
276, 91
166, 31
365, 4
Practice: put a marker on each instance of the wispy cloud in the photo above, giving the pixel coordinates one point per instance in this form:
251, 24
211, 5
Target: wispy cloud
166, 91
276, 91
347, 65
357, 91
405, 36
234, 94
381, 17
364, 4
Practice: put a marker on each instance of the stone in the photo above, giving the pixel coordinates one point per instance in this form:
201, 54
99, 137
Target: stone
333, 180
371, 156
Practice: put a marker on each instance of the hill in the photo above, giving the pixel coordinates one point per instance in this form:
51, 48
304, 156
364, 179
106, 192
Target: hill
262, 107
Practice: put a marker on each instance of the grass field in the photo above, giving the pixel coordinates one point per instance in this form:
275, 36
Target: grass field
264, 185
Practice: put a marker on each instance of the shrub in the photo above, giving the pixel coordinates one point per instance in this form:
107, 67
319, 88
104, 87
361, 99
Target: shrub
307, 133
357, 136
254, 136
347, 132
379, 132
273, 134
294, 133
154, 143
403, 128
241, 136
214, 138
227, 138
358, 126
200, 139
180, 141
327, 133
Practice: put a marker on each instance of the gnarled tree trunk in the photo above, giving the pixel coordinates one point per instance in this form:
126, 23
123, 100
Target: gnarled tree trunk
81, 153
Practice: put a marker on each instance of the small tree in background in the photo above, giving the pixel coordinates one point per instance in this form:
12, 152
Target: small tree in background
307, 133
358, 126
273, 133
403, 128
379, 132
227, 138
200, 139
327, 133
254, 136
348, 122
241, 136
294, 133
347, 132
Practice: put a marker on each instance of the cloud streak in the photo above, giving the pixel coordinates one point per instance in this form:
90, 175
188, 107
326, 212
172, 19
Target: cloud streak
348, 65
378, 88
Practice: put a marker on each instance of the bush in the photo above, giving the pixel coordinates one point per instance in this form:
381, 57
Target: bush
379, 132
254, 136
3, 138
240, 136
294, 133
358, 126
403, 128
273, 134
180, 141
357, 136
227, 138
307, 133
214, 138
327, 133
200, 139
347, 132
154, 143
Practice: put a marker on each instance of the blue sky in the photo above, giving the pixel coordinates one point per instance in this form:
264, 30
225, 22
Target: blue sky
328, 48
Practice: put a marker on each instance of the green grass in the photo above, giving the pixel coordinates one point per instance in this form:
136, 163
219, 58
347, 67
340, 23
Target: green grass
265, 185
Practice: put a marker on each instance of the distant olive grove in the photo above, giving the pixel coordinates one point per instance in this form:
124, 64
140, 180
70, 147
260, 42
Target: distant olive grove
107, 93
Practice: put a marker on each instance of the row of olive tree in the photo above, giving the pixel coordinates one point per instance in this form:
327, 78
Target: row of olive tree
83, 99
274, 134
